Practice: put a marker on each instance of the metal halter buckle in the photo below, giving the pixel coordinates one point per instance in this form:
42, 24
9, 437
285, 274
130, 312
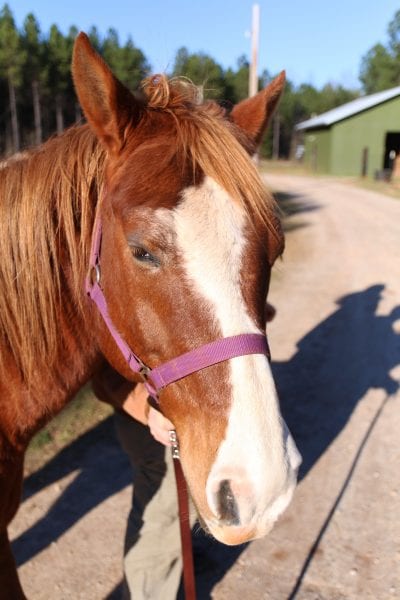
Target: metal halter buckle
174, 444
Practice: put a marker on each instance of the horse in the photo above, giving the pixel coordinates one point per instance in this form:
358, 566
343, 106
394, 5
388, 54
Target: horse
189, 235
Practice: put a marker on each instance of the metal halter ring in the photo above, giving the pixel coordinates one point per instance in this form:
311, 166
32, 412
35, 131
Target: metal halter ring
144, 371
95, 274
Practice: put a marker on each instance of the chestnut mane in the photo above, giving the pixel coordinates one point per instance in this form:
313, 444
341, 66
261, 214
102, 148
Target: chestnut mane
48, 199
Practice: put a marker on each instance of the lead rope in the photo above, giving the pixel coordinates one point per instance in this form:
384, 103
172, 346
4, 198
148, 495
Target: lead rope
184, 521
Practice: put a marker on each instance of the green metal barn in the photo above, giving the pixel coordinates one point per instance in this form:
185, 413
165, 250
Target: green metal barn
361, 137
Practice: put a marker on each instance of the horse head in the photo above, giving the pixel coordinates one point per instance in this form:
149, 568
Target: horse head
189, 236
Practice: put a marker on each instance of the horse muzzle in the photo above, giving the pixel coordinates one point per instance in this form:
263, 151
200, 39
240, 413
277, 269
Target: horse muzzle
243, 508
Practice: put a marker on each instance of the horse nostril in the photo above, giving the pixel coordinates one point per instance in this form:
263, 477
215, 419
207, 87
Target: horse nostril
227, 505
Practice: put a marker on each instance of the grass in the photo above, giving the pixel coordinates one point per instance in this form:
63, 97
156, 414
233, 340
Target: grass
80, 415
283, 167
389, 188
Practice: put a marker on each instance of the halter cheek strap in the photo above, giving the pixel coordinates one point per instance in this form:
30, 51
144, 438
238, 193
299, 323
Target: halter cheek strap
185, 364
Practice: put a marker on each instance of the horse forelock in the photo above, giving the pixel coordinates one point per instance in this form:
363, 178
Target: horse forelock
206, 137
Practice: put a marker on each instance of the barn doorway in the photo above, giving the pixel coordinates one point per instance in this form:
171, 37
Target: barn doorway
392, 149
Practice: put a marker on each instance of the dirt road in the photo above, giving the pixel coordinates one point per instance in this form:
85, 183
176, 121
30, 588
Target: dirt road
336, 349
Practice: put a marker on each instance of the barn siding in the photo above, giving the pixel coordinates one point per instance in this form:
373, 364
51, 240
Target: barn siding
339, 148
317, 150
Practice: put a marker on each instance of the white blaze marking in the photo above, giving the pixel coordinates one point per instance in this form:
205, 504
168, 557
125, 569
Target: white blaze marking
209, 229
210, 236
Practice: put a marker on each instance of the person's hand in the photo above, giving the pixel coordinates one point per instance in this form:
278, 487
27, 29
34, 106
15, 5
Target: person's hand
136, 406
159, 426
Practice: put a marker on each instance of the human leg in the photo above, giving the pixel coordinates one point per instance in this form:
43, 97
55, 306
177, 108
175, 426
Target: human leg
152, 562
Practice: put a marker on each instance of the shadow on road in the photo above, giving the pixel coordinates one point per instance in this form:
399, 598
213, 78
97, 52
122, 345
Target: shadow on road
103, 471
292, 205
336, 363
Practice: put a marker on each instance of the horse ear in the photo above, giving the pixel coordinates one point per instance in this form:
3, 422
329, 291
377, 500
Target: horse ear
254, 114
108, 105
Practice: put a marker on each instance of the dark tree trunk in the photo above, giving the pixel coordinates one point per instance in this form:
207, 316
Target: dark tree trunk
78, 112
59, 114
14, 116
37, 112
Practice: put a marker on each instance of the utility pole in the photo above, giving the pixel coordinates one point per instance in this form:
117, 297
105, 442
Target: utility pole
255, 32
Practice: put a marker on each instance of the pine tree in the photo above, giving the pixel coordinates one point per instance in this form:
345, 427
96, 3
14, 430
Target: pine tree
58, 59
237, 81
380, 67
203, 70
12, 58
31, 42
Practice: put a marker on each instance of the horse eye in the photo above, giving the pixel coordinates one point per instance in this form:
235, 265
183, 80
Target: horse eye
140, 253
143, 255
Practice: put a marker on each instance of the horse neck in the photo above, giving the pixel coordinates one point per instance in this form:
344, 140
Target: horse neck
63, 362
25, 407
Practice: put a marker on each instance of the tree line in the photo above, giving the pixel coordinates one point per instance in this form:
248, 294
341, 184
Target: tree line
380, 67
37, 98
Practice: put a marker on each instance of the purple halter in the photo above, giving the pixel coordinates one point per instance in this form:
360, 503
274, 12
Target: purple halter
181, 366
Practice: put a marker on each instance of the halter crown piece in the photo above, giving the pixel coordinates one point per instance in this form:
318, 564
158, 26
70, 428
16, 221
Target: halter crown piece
181, 366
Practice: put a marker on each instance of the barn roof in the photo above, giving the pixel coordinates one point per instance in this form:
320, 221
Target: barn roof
349, 109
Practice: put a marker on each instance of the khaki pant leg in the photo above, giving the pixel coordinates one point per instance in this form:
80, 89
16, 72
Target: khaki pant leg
152, 563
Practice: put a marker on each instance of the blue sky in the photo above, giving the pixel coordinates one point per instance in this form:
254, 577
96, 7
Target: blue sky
315, 41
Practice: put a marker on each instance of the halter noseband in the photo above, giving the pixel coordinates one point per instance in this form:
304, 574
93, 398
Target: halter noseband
181, 366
